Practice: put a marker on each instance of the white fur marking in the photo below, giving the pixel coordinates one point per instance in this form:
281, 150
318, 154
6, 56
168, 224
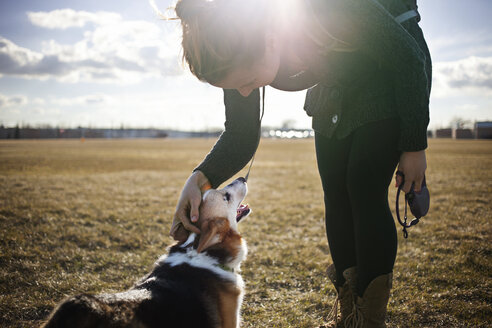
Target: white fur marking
241, 256
200, 260
190, 240
206, 193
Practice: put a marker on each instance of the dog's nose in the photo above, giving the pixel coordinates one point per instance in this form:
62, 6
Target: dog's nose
243, 180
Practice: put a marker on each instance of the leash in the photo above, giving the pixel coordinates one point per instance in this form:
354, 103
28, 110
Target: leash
418, 202
259, 133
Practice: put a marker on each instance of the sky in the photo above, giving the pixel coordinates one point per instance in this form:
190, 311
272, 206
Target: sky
114, 63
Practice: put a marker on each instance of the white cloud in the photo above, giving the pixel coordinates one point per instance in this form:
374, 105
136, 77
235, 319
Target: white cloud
113, 51
38, 101
22, 62
13, 57
12, 101
458, 46
86, 100
66, 18
470, 76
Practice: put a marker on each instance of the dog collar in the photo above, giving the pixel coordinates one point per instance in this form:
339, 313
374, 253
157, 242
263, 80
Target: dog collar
205, 187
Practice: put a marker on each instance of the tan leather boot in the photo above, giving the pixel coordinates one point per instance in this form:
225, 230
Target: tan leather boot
370, 310
345, 296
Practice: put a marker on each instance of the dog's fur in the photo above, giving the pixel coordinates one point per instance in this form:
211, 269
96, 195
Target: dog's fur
196, 285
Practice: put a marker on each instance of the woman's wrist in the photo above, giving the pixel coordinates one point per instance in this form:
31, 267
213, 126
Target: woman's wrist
201, 180
414, 155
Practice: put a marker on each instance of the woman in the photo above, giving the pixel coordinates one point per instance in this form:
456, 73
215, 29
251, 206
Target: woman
368, 79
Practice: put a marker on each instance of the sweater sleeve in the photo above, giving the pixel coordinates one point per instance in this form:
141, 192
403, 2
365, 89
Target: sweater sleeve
368, 26
237, 144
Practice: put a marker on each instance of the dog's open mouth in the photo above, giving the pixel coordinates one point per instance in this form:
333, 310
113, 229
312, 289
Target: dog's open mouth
242, 211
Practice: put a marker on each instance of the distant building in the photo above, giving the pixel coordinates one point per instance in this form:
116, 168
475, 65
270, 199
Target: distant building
463, 134
483, 130
444, 133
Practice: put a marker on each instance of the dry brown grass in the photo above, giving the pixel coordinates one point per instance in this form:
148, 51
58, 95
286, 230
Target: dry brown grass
92, 217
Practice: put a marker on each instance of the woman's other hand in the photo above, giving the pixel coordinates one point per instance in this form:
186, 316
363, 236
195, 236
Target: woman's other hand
187, 209
413, 165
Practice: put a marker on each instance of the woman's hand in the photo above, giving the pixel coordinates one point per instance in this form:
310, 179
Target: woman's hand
413, 165
187, 209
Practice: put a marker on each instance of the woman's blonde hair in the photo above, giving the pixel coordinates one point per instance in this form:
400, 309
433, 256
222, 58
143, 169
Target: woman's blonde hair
220, 35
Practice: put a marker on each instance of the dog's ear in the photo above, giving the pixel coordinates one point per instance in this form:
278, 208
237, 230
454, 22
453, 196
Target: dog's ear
181, 234
213, 231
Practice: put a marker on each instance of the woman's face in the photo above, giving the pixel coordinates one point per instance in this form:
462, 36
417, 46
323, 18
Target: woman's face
261, 73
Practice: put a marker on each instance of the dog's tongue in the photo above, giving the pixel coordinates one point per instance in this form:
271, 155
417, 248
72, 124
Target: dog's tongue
242, 211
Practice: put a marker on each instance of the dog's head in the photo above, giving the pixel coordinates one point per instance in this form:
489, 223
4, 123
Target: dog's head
220, 212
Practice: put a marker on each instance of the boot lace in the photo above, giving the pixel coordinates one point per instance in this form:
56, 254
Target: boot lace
354, 319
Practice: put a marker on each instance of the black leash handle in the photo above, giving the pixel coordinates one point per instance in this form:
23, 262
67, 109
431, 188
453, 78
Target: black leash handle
411, 197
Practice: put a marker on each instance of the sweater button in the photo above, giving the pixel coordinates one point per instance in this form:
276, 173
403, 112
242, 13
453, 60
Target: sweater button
334, 119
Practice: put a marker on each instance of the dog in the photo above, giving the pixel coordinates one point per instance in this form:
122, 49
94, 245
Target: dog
196, 285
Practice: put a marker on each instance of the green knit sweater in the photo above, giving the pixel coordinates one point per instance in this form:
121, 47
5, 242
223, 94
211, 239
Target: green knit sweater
388, 75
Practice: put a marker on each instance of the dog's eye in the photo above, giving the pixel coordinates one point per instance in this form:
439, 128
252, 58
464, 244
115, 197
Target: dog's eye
227, 196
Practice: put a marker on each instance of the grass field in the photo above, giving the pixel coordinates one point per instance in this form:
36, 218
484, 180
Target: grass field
94, 216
